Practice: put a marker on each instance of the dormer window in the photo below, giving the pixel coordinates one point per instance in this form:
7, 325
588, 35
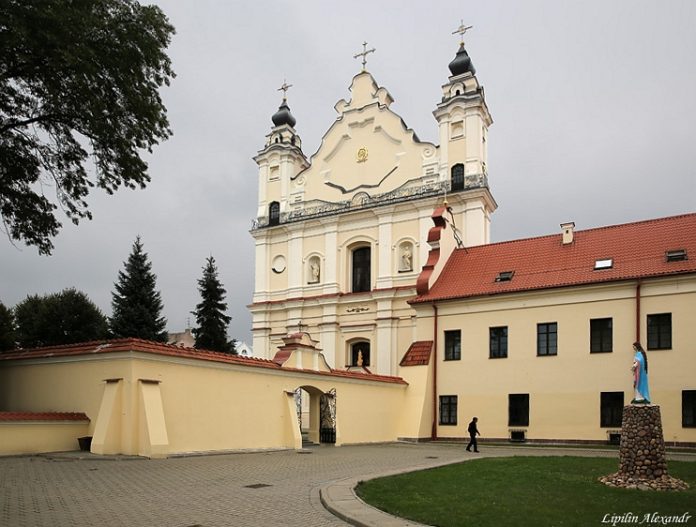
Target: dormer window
504, 276
676, 255
605, 263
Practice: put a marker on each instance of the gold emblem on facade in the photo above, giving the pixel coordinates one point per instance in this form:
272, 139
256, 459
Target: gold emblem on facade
362, 155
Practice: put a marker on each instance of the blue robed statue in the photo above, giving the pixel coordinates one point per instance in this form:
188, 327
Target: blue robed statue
640, 375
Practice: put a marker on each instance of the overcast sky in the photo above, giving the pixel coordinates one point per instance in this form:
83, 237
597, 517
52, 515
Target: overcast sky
593, 102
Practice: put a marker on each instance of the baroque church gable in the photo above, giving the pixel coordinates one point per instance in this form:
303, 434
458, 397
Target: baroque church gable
368, 151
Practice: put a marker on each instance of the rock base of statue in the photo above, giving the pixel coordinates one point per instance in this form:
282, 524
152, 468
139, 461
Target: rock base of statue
642, 463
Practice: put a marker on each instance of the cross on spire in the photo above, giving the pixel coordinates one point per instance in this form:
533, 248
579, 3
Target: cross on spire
461, 30
364, 53
284, 88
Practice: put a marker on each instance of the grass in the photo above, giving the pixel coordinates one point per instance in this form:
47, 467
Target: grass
525, 491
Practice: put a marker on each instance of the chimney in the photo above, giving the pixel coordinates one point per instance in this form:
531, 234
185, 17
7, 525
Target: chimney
567, 229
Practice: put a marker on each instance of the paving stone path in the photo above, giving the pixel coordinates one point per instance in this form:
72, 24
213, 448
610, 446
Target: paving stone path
246, 489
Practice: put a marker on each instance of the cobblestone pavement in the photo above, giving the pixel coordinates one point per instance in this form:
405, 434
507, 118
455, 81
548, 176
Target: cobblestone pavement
206, 491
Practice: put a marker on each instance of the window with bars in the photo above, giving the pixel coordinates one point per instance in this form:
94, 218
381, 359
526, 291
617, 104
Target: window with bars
457, 177
547, 338
611, 409
518, 409
453, 345
498, 346
601, 335
448, 409
660, 331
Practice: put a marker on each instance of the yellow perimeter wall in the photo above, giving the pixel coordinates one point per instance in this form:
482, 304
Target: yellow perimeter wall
152, 405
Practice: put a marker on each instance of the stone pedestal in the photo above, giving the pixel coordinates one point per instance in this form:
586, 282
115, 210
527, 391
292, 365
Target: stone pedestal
642, 462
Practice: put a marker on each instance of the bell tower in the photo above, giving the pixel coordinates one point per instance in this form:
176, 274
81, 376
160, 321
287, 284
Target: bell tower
279, 161
463, 119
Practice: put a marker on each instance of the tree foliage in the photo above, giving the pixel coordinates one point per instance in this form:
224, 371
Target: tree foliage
59, 318
136, 304
7, 329
79, 80
212, 322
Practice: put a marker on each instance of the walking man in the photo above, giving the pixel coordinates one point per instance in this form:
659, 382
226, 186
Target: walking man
473, 431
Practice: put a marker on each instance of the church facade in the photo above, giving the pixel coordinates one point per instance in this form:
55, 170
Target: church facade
340, 237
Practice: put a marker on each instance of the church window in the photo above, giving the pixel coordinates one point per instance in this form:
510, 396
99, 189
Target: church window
601, 335
611, 409
457, 177
547, 338
660, 331
518, 409
453, 345
448, 409
689, 408
274, 213
498, 346
292, 140
360, 267
360, 353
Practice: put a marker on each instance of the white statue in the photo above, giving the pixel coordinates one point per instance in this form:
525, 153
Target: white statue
406, 258
315, 272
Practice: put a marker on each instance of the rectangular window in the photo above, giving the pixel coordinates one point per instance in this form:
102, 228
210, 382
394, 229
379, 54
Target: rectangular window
453, 345
689, 408
660, 331
498, 342
611, 409
601, 335
547, 338
448, 409
518, 409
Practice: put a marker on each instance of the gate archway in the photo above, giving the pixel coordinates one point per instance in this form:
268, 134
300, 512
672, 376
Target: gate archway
316, 414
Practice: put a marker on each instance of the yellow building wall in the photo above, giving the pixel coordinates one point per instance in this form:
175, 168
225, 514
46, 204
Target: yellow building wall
564, 390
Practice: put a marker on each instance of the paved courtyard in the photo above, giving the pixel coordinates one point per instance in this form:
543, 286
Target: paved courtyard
208, 491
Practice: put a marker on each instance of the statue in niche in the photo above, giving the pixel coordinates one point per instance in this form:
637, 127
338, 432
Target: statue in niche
406, 258
314, 271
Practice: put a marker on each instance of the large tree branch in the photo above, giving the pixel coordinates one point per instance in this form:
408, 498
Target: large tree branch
11, 125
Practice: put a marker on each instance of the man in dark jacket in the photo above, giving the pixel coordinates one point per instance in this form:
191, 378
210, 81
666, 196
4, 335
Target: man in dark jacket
473, 431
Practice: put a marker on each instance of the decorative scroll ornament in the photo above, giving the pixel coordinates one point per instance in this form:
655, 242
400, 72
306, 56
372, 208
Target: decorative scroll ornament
362, 154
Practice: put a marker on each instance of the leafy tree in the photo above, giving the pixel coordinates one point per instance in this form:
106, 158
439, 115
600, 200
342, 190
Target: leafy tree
136, 304
7, 329
59, 318
211, 333
79, 81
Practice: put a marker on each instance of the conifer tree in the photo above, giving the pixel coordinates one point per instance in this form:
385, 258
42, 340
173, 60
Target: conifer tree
211, 333
7, 328
136, 304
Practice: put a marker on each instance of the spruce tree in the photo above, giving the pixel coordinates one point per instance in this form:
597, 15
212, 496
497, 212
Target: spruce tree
211, 333
7, 328
136, 304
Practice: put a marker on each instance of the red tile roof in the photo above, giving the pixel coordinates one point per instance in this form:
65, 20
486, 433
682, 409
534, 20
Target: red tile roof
158, 348
637, 249
43, 416
418, 353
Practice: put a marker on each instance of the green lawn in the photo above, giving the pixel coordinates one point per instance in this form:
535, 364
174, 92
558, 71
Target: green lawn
526, 491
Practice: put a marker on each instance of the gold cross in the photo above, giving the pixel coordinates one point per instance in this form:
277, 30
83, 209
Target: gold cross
364, 53
284, 88
461, 30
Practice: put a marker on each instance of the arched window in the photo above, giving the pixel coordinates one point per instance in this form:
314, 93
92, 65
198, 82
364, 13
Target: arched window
360, 354
457, 177
274, 213
361, 269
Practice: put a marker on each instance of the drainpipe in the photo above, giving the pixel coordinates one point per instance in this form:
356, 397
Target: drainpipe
433, 434
638, 310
